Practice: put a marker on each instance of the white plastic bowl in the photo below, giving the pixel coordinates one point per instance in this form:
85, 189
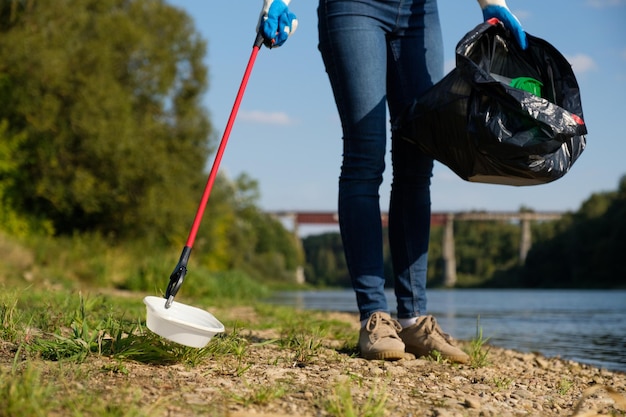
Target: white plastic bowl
183, 324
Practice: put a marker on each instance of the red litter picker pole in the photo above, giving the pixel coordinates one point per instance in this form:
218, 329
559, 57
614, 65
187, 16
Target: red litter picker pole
178, 275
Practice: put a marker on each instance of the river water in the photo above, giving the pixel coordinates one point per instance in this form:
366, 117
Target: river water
586, 326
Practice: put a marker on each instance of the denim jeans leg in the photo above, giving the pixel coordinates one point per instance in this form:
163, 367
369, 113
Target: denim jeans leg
415, 64
353, 47
409, 227
363, 51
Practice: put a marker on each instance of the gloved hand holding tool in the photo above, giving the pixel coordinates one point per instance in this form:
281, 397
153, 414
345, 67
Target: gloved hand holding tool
277, 23
499, 10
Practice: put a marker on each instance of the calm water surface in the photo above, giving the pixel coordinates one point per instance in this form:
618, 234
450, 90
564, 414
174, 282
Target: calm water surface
583, 325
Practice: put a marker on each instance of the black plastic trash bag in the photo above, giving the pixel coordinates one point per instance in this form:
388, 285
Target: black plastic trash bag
485, 129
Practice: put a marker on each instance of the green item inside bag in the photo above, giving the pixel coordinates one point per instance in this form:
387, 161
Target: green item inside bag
529, 84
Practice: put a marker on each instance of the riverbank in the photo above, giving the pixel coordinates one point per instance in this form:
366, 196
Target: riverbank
332, 381
586, 326
283, 362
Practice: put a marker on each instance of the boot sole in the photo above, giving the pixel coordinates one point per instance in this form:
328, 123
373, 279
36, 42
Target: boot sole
389, 355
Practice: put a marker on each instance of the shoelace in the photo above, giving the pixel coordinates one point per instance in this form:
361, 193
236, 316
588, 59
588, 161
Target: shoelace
378, 320
431, 326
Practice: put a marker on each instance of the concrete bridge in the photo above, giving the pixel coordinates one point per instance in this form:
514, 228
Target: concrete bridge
445, 219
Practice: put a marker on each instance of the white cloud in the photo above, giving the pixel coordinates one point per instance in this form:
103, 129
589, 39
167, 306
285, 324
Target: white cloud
582, 63
601, 4
272, 118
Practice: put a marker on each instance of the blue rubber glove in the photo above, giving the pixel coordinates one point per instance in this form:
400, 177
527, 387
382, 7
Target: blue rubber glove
499, 10
277, 23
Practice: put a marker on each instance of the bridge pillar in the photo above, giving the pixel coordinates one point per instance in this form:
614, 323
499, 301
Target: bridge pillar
449, 257
526, 239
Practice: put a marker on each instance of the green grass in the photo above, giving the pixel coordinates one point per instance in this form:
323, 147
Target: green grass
82, 330
22, 392
305, 342
231, 346
92, 261
52, 333
55, 343
65, 327
342, 403
260, 395
60, 330
66, 337
478, 349
564, 386
26, 391
502, 383
9, 329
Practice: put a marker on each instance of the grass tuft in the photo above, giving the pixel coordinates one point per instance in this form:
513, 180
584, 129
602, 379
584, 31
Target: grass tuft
342, 402
260, 395
479, 351
23, 393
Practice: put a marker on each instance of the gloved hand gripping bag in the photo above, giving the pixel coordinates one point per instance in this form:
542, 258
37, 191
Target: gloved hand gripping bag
487, 131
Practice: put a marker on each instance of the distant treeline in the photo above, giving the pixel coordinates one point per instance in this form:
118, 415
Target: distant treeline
581, 250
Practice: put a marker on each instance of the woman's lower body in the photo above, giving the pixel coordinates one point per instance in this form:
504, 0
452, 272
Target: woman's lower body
379, 55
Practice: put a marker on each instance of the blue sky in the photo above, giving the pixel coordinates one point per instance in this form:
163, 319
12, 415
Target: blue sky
287, 135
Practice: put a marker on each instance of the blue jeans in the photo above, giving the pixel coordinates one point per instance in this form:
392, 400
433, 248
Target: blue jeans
379, 54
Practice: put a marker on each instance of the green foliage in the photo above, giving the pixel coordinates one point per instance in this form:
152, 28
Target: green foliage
11, 159
242, 237
103, 145
91, 261
91, 327
479, 352
23, 393
341, 402
584, 249
260, 395
9, 329
225, 285
581, 250
325, 261
502, 383
482, 248
105, 98
476, 261
565, 385
306, 342
238, 254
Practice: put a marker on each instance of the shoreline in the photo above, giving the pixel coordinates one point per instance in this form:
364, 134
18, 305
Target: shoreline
511, 384
278, 362
592, 332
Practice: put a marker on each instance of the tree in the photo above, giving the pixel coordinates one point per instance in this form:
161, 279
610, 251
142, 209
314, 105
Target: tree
11, 220
484, 247
237, 235
102, 132
106, 96
586, 248
326, 265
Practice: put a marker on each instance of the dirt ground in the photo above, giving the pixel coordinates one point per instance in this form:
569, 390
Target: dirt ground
266, 379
